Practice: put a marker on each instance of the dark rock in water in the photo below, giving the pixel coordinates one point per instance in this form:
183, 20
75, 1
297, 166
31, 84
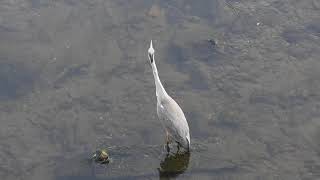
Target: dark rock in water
212, 42
101, 156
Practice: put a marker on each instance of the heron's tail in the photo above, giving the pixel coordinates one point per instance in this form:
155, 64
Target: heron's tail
188, 139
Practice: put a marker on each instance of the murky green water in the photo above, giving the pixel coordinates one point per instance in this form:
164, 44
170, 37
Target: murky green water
74, 77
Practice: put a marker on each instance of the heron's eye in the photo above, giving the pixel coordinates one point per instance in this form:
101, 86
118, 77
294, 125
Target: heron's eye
151, 58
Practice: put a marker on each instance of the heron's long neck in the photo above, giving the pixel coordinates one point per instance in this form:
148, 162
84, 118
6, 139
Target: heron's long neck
160, 91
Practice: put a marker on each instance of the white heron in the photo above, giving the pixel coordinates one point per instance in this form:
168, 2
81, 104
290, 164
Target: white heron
169, 112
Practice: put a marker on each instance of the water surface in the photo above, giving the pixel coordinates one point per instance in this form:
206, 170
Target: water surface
74, 77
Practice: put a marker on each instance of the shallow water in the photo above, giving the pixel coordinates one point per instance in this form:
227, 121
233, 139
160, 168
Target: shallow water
74, 77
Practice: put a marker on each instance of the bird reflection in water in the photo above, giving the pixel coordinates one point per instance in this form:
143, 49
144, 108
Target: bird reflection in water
173, 165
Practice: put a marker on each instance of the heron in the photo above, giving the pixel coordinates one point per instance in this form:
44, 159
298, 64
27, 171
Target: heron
169, 112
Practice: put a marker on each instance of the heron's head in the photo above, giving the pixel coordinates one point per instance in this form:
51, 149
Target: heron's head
151, 53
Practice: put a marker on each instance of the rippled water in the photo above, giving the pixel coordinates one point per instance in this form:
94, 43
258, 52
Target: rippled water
74, 77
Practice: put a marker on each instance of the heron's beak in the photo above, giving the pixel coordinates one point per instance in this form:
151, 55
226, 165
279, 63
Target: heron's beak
151, 47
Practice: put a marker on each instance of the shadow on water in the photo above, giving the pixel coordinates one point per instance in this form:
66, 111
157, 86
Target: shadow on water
170, 167
174, 165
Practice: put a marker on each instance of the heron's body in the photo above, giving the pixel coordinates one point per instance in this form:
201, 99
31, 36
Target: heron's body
174, 122
169, 112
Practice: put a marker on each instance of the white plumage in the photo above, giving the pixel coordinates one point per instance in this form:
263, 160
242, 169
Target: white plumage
169, 112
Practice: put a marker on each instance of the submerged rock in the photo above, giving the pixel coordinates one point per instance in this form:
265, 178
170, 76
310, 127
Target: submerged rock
101, 156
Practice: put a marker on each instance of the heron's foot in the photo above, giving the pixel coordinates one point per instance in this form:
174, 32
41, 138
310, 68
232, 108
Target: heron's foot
168, 140
168, 147
178, 148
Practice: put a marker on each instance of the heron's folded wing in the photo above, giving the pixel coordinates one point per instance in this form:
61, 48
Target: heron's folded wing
174, 118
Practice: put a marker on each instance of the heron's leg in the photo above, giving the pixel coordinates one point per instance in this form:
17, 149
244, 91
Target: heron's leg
167, 141
167, 137
178, 147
